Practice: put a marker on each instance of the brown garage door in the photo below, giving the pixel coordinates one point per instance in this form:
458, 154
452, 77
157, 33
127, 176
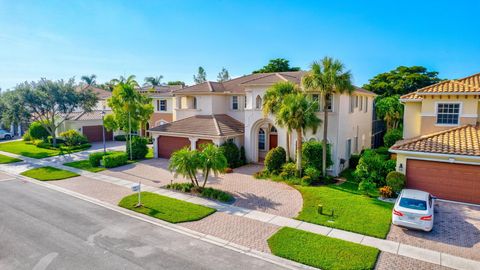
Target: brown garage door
167, 145
94, 133
202, 141
456, 182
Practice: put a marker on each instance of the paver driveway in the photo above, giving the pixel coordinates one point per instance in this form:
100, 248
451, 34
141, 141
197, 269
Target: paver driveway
267, 196
456, 231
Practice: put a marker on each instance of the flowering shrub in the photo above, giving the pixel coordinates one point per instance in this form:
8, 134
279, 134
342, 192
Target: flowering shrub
386, 192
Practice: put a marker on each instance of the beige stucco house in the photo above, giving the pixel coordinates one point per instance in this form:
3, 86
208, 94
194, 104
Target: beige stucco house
232, 110
440, 152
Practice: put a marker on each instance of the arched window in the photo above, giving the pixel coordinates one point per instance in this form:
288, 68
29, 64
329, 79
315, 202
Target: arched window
261, 139
258, 102
273, 129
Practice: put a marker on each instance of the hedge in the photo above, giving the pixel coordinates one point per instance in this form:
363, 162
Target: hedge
114, 160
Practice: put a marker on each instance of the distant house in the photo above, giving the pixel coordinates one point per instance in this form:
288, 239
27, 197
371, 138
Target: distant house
232, 110
440, 152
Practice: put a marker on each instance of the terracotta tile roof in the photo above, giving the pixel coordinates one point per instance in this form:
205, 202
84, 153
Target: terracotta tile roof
464, 140
451, 86
84, 116
411, 97
473, 80
237, 85
217, 125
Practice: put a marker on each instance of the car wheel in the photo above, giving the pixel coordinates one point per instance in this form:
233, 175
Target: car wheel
7, 137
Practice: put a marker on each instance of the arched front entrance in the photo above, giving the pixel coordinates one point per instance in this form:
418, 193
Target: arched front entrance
263, 138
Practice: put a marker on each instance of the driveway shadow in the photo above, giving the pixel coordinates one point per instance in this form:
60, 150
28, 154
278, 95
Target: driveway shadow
252, 201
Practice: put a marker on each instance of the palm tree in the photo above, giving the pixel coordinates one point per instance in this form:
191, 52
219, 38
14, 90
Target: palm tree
327, 77
185, 163
297, 112
89, 80
153, 81
272, 101
212, 160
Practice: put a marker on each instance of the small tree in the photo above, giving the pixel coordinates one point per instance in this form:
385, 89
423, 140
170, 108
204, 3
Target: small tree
212, 160
153, 81
37, 131
89, 80
52, 102
392, 136
223, 75
391, 110
201, 76
277, 65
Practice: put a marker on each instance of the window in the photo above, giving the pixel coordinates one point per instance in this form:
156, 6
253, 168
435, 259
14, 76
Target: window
234, 102
448, 113
361, 103
162, 105
348, 150
366, 104
316, 98
413, 204
261, 139
258, 102
356, 101
273, 129
355, 144
329, 103
351, 104
195, 102
245, 102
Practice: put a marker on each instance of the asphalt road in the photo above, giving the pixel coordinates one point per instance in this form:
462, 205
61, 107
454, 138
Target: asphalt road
45, 229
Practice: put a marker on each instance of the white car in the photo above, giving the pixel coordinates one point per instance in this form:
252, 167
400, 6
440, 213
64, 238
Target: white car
414, 209
5, 135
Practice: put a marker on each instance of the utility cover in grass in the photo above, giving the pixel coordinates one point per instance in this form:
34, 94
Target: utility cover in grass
165, 208
6, 159
48, 174
321, 251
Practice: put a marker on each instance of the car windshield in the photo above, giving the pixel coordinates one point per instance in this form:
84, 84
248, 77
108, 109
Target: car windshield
413, 204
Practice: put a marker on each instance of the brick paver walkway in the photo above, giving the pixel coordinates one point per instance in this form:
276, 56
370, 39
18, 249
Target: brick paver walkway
266, 196
389, 261
456, 231
239, 230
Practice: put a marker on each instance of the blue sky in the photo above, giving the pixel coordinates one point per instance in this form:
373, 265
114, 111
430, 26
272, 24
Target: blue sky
61, 39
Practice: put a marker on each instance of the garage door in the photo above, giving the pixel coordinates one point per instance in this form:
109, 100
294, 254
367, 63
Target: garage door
94, 133
200, 142
456, 182
167, 145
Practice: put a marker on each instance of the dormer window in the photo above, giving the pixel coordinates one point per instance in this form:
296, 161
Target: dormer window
234, 103
448, 113
258, 102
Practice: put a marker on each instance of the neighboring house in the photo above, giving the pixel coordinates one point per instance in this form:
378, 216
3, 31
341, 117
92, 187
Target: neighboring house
90, 124
216, 112
440, 152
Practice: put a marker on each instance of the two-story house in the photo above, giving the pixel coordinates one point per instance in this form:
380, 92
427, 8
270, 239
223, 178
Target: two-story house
440, 152
232, 110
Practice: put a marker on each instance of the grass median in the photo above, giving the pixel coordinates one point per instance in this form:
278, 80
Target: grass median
321, 251
165, 208
85, 165
6, 159
48, 174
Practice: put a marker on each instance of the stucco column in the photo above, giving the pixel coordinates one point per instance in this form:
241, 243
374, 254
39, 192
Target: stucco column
193, 143
218, 142
155, 145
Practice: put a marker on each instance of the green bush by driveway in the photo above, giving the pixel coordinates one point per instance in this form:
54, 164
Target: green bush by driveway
321, 251
165, 208
48, 174
85, 165
352, 211
6, 159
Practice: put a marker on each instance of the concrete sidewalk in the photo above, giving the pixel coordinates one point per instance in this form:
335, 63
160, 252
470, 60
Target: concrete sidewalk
392, 247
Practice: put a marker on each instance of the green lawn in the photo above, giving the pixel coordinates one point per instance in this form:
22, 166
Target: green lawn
352, 211
5, 159
84, 165
165, 208
30, 150
48, 174
321, 251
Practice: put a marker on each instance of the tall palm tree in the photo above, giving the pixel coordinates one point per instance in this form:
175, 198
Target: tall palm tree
212, 160
153, 81
327, 77
89, 80
272, 101
298, 112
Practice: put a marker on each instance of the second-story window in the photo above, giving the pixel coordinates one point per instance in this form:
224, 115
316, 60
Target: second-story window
258, 103
352, 100
361, 103
162, 105
195, 103
448, 113
366, 104
234, 102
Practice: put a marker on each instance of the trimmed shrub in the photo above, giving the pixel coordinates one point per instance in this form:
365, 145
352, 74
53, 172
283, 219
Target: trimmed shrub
49, 140
313, 173
204, 192
392, 136
120, 138
306, 181
382, 151
289, 170
232, 153
374, 167
386, 192
73, 138
95, 158
312, 155
183, 187
353, 162
37, 131
114, 160
243, 157
366, 187
139, 148
260, 174
396, 180
26, 137
275, 159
